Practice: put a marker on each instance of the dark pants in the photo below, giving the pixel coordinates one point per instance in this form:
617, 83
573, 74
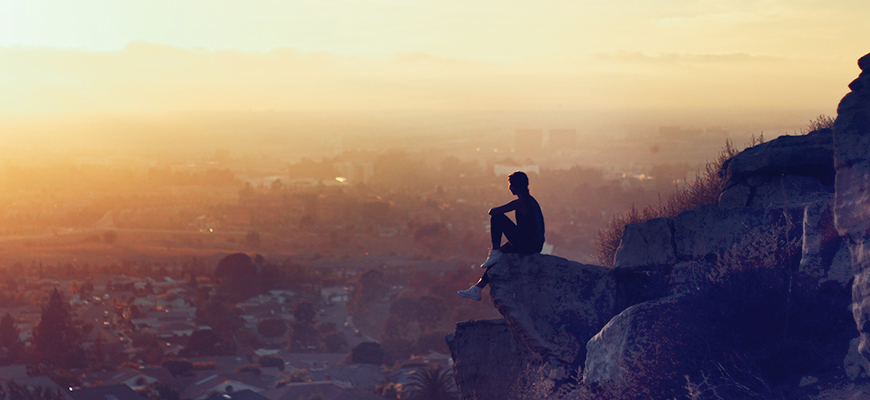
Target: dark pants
499, 225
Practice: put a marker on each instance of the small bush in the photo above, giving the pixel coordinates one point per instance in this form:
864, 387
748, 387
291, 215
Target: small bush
768, 323
271, 360
821, 122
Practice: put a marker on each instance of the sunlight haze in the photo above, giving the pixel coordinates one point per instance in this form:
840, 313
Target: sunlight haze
124, 56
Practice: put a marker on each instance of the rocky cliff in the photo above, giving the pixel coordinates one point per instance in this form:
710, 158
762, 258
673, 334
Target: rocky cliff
740, 299
852, 162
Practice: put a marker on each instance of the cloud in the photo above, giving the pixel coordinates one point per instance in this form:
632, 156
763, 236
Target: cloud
729, 18
675, 58
152, 77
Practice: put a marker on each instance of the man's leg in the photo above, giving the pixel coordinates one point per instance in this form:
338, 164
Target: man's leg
499, 225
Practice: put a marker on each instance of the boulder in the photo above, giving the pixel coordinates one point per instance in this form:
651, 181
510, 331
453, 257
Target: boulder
806, 155
788, 190
649, 346
854, 364
852, 146
552, 305
649, 243
487, 359
735, 196
824, 255
710, 231
688, 277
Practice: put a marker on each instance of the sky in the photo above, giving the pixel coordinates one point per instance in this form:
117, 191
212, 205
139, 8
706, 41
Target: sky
86, 56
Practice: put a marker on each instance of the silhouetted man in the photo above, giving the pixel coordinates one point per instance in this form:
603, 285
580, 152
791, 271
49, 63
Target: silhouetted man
524, 237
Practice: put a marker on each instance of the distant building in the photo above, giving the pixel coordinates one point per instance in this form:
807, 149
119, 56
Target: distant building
108, 392
354, 171
507, 169
335, 294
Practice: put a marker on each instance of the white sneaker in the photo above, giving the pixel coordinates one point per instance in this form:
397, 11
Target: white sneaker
472, 293
494, 255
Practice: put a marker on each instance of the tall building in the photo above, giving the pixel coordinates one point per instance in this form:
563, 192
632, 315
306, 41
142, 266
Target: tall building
355, 171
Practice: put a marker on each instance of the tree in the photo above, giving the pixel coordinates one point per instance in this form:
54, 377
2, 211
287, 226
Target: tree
371, 289
407, 309
304, 313
202, 343
272, 328
238, 276
335, 342
367, 353
162, 391
252, 239
9, 341
178, 366
431, 384
271, 360
56, 338
432, 310
304, 337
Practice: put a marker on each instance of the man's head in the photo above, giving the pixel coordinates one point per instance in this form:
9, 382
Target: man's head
519, 183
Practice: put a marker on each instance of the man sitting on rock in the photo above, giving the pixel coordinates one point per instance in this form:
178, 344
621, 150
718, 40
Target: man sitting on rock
524, 237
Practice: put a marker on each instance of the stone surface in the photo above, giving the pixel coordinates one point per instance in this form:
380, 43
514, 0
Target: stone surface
851, 150
644, 244
735, 196
553, 305
487, 359
840, 270
688, 277
854, 365
787, 191
710, 230
649, 345
820, 241
805, 155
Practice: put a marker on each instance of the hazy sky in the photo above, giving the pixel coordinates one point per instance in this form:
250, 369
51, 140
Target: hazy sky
160, 55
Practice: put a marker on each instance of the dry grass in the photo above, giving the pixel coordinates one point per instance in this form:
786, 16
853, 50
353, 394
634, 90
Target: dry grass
821, 122
705, 189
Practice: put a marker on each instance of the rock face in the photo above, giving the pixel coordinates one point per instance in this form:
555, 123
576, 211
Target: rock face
787, 170
652, 344
851, 150
639, 325
650, 243
553, 306
487, 359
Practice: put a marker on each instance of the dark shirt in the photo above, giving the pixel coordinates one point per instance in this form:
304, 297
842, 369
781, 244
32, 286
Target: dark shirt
531, 225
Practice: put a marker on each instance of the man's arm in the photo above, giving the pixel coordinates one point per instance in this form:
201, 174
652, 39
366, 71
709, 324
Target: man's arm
505, 208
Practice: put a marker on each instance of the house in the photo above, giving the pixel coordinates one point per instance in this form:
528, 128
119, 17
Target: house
304, 390
312, 360
127, 376
108, 392
330, 390
176, 329
238, 395
335, 294
361, 376
205, 387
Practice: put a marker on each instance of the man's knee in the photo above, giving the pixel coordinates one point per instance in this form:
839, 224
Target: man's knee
499, 219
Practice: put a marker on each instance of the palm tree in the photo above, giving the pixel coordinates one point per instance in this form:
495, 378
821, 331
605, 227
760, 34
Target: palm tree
432, 384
